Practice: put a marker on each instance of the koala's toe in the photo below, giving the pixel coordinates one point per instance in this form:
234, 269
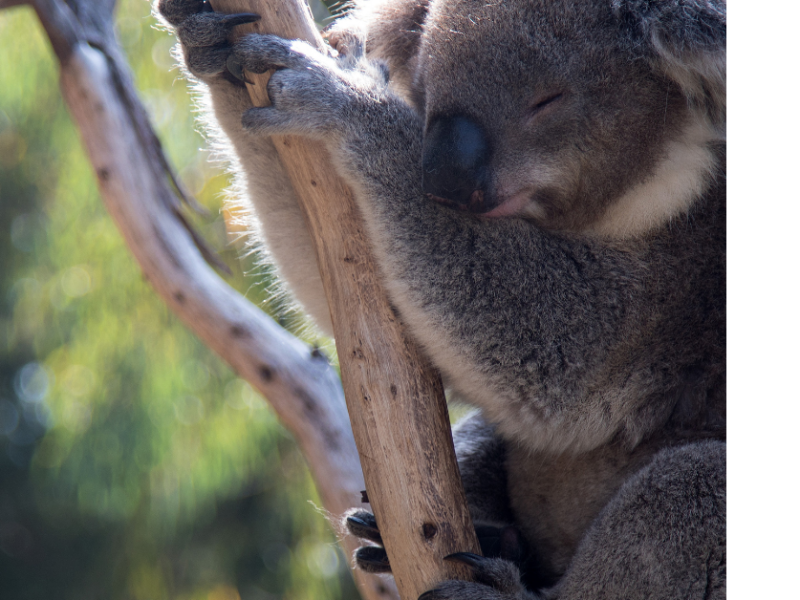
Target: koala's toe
499, 574
207, 61
303, 96
465, 590
347, 43
372, 559
362, 524
177, 11
259, 53
211, 29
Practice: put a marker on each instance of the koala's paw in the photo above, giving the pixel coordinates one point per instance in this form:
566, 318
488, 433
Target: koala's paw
502, 547
495, 579
372, 559
312, 93
204, 36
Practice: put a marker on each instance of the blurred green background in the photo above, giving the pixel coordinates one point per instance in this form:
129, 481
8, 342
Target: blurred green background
134, 464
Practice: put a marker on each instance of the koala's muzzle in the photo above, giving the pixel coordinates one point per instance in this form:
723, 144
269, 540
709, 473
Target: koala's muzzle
455, 164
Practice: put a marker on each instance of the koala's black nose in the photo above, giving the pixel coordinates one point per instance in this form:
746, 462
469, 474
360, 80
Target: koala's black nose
455, 159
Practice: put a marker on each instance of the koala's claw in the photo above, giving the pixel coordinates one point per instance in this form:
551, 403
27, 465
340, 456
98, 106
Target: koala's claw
362, 524
467, 558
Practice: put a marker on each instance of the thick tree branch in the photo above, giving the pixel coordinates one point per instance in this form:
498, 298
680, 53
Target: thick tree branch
395, 398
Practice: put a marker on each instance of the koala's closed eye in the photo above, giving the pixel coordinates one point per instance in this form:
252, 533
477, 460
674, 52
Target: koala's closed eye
539, 104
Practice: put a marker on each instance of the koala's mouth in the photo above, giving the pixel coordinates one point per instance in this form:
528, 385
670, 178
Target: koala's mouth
482, 205
513, 207
477, 203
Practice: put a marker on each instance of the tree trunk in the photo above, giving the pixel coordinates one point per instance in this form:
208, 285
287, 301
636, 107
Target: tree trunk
395, 399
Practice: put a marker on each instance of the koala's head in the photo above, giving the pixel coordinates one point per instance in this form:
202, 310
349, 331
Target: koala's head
583, 115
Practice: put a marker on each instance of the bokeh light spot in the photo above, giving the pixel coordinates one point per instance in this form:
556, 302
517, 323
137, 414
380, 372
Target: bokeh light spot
76, 281
32, 382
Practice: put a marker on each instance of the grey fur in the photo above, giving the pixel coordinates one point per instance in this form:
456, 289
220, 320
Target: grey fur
589, 324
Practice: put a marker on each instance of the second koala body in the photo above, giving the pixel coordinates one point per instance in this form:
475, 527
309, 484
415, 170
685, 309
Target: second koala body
544, 188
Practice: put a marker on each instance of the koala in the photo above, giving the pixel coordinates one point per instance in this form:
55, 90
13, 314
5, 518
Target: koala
543, 184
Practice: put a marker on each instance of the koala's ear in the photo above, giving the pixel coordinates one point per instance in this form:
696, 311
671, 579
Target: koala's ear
393, 31
685, 39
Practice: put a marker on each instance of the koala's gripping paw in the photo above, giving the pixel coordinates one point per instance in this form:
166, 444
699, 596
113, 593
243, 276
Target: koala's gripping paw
372, 559
497, 571
204, 36
495, 579
312, 93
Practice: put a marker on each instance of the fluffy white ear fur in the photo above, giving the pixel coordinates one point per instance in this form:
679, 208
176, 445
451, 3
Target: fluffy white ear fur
701, 74
686, 40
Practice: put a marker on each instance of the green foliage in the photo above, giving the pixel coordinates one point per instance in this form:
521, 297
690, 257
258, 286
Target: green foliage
133, 463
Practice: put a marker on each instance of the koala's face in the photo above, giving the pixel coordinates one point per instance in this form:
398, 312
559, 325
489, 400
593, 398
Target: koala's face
535, 109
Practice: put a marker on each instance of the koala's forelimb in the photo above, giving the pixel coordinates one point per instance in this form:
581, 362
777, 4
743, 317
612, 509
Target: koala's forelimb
395, 399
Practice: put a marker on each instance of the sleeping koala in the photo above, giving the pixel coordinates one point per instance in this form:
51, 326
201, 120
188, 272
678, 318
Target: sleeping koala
543, 183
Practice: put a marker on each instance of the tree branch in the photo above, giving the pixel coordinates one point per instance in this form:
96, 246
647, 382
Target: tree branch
394, 396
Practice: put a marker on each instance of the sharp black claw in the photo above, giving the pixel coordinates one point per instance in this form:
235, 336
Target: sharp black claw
467, 558
358, 522
240, 19
362, 524
367, 520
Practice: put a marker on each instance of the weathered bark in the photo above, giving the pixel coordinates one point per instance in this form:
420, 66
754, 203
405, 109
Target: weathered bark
395, 398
